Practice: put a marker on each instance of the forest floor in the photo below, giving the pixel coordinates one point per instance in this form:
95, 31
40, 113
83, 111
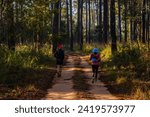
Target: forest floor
75, 83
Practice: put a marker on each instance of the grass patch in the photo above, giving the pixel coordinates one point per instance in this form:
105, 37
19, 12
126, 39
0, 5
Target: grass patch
25, 74
126, 66
32, 84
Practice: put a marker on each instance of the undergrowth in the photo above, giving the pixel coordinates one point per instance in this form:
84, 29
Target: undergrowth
126, 69
25, 73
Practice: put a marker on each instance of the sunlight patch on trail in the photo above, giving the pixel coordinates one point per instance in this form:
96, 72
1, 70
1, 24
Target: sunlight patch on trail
62, 88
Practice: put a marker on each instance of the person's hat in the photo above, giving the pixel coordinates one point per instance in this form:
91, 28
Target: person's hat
95, 50
59, 46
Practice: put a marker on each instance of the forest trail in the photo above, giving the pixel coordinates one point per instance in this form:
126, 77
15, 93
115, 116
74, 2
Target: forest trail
63, 87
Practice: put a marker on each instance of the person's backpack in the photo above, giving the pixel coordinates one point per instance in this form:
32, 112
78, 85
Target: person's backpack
59, 54
94, 59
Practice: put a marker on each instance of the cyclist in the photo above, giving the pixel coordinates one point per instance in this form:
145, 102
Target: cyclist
95, 58
59, 55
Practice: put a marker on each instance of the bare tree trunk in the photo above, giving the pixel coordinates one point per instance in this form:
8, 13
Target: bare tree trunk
10, 24
100, 20
59, 28
71, 33
81, 25
119, 20
86, 21
67, 19
55, 27
113, 26
89, 37
148, 24
97, 13
131, 21
143, 22
125, 5
1, 22
78, 25
105, 21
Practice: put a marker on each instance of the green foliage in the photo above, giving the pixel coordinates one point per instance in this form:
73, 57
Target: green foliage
106, 53
126, 57
25, 57
128, 70
87, 48
24, 74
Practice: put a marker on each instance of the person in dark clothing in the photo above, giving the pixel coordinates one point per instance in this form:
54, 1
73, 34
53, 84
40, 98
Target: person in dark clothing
59, 55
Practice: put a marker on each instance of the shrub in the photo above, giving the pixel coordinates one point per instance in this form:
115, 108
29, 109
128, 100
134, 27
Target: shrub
126, 57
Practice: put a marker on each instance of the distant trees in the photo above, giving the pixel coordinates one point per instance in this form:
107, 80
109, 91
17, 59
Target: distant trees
70, 22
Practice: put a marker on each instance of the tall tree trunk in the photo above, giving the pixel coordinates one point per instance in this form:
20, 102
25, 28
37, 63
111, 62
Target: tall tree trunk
147, 21
86, 28
89, 36
71, 33
97, 13
93, 16
105, 21
119, 20
113, 26
55, 26
10, 24
59, 28
100, 20
148, 24
67, 18
131, 20
143, 21
51, 13
125, 31
81, 25
78, 21
1, 22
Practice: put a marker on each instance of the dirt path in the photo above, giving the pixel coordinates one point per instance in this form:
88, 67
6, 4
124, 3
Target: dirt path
63, 86
98, 89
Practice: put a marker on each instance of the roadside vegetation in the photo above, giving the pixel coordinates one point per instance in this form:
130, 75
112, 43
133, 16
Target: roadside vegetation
126, 72
25, 73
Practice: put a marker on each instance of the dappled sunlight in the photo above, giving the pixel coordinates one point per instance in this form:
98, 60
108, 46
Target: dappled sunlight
66, 89
78, 69
61, 96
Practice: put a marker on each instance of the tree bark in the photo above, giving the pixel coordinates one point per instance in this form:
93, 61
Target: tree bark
100, 20
119, 20
125, 20
143, 22
10, 24
67, 18
113, 26
105, 21
55, 27
89, 36
86, 28
71, 33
